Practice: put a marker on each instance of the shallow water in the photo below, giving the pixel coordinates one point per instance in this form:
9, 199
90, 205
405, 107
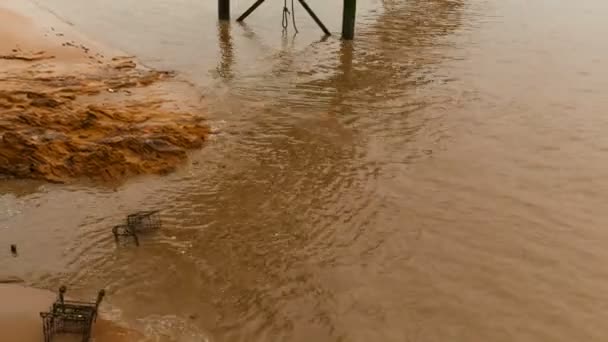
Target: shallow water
442, 178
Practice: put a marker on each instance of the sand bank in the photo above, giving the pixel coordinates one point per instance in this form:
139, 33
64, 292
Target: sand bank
69, 109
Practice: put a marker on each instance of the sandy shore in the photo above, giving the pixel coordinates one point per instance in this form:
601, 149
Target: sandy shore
20, 317
71, 109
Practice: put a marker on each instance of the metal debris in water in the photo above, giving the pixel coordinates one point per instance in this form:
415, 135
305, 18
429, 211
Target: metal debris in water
66, 317
140, 222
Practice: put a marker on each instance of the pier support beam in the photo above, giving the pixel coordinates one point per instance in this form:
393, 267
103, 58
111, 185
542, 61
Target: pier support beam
348, 19
314, 17
224, 9
250, 10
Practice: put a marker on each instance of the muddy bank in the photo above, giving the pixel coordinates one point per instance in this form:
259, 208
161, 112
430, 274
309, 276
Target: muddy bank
69, 111
20, 317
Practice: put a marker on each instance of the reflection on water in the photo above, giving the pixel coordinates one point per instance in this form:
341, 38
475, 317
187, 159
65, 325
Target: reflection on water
440, 178
225, 66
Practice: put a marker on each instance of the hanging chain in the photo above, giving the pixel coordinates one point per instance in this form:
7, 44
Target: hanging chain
287, 13
293, 16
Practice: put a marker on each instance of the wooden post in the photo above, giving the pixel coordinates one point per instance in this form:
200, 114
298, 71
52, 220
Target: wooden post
223, 7
348, 19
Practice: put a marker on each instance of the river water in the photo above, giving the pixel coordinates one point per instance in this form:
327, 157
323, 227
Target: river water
442, 178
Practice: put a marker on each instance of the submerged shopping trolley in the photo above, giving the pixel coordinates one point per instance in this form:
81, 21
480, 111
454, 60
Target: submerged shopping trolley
140, 222
70, 317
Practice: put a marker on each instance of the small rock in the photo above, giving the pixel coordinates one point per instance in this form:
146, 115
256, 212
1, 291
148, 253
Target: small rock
49, 135
45, 102
89, 121
125, 65
161, 145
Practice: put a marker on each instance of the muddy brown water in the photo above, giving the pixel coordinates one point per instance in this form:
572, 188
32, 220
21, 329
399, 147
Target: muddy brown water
442, 178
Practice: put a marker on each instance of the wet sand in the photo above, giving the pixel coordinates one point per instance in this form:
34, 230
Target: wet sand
68, 111
20, 317
72, 110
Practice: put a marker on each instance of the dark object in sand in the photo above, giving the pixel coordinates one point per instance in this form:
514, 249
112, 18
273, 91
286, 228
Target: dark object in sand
11, 280
32, 57
140, 222
70, 317
14, 250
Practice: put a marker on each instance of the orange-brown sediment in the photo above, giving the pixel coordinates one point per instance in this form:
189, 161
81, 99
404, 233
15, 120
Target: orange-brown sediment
67, 112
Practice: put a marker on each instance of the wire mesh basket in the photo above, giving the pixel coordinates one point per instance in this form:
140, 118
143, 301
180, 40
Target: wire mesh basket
123, 230
144, 221
140, 222
70, 317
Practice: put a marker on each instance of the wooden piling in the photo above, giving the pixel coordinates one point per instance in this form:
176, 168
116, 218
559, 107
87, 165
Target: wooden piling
224, 9
348, 19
